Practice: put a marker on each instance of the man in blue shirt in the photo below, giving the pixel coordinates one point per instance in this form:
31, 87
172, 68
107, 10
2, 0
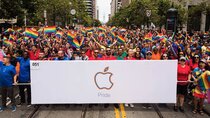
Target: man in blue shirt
61, 56
24, 77
7, 73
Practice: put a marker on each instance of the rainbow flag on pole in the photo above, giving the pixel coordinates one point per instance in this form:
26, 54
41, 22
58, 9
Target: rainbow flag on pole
12, 37
120, 39
50, 29
101, 28
204, 81
71, 36
59, 34
148, 37
208, 51
113, 28
8, 43
9, 30
89, 29
30, 33
75, 43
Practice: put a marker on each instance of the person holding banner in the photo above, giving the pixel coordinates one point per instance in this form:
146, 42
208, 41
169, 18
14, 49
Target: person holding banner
184, 75
24, 77
7, 74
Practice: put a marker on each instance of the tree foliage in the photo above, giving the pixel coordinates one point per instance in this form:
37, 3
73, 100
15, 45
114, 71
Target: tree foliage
135, 13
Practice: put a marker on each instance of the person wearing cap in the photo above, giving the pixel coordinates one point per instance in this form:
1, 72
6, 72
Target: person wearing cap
199, 96
183, 76
7, 74
156, 54
149, 55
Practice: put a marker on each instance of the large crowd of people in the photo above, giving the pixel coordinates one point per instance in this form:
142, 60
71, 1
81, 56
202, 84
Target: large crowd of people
18, 47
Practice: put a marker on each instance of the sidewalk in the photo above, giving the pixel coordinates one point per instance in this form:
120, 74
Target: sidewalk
207, 108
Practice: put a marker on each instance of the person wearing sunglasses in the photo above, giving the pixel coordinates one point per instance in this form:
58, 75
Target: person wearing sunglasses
164, 56
184, 75
194, 63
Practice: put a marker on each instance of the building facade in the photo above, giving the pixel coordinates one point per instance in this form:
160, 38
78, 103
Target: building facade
91, 8
115, 6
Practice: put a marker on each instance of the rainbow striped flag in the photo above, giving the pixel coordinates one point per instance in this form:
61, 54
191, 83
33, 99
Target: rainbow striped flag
112, 34
59, 34
71, 36
8, 43
50, 29
19, 40
9, 30
40, 30
25, 38
89, 29
148, 37
113, 28
208, 51
101, 28
204, 81
75, 43
4, 38
82, 41
19, 30
30, 33
120, 39
12, 37
83, 32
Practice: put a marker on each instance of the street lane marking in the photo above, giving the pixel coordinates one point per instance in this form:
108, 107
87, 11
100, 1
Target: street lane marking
122, 109
117, 112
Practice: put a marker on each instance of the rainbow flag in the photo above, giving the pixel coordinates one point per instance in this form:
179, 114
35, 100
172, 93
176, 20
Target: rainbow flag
208, 51
83, 32
113, 34
204, 81
59, 34
82, 41
113, 28
30, 33
50, 29
71, 36
9, 30
120, 39
4, 38
89, 29
148, 37
75, 43
12, 37
19, 40
19, 30
8, 43
40, 30
101, 28
25, 38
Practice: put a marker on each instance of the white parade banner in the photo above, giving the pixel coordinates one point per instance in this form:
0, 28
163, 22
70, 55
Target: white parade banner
66, 82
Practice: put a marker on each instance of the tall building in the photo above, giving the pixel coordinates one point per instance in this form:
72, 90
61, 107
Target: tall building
115, 6
97, 13
91, 8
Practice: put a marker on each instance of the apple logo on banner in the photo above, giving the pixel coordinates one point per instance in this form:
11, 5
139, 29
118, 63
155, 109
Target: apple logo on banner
103, 79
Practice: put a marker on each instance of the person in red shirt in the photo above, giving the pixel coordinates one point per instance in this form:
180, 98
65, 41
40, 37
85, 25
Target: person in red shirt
96, 56
109, 55
34, 53
194, 62
130, 55
184, 75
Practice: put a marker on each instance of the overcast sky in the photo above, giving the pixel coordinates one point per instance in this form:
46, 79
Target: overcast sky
104, 9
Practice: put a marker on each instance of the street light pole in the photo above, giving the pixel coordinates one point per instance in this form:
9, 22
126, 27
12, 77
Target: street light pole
45, 17
25, 20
